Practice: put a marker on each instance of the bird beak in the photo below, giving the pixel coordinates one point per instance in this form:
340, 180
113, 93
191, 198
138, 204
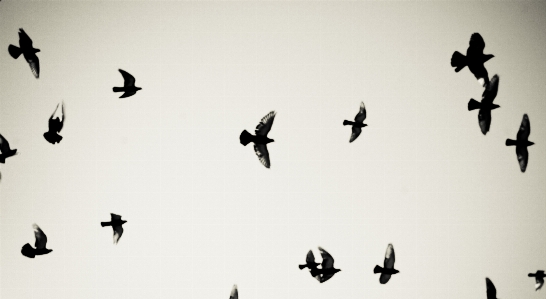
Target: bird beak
531, 143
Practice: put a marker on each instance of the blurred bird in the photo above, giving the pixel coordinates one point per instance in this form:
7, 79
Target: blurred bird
309, 261
260, 140
234, 294
327, 269
358, 124
491, 290
40, 244
29, 52
522, 142
539, 278
55, 126
474, 59
129, 87
388, 266
116, 224
6, 150
486, 105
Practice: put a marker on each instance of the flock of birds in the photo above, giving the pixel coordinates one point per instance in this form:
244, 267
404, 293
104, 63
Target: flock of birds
474, 60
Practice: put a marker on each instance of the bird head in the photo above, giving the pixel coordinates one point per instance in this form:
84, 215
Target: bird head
487, 57
336, 270
36, 50
495, 106
529, 143
123, 221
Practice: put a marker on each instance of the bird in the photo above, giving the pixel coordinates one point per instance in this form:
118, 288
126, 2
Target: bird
129, 87
539, 278
358, 124
28, 51
522, 142
309, 261
40, 244
486, 105
260, 139
474, 59
6, 150
327, 269
490, 289
116, 224
388, 266
234, 294
55, 126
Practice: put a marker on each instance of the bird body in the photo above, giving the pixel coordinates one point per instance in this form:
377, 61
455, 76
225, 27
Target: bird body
116, 224
327, 269
539, 279
388, 266
6, 150
40, 244
486, 105
129, 87
474, 59
358, 124
55, 126
28, 51
260, 140
522, 142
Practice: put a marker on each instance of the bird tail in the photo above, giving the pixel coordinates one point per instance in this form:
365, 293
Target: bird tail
118, 89
473, 104
347, 123
28, 251
458, 61
103, 224
377, 269
302, 267
14, 51
511, 142
245, 138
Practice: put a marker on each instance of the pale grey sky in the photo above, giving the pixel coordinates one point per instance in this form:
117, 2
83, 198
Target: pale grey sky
204, 214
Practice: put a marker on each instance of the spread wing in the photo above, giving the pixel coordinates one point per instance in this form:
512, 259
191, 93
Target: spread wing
115, 217
324, 277
41, 238
477, 44
128, 78
234, 293
491, 89
361, 116
384, 278
491, 290
389, 258
523, 157
524, 129
24, 40
56, 124
327, 259
484, 118
310, 259
539, 282
34, 64
263, 154
4, 145
265, 125
127, 94
118, 231
356, 132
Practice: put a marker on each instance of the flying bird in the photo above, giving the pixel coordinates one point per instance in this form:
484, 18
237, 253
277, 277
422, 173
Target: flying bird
486, 105
491, 290
129, 87
6, 150
388, 266
309, 261
358, 124
234, 294
474, 59
55, 126
522, 142
539, 278
327, 269
116, 224
40, 244
260, 140
28, 51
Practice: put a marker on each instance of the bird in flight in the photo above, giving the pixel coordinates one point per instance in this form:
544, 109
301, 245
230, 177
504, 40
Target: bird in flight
234, 294
309, 262
358, 124
488, 96
28, 51
522, 142
539, 278
116, 224
129, 87
327, 269
388, 266
40, 244
260, 139
490, 289
55, 126
474, 59
6, 150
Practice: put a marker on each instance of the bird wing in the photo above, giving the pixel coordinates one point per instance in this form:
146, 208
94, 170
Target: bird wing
523, 157
490, 92
263, 154
480, 72
324, 277
491, 290
361, 116
24, 40
234, 293
327, 259
4, 145
476, 44
524, 129
484, 118
128, 78
539, 282
389, 258
356, 132
127, 94
310, 259
34, 64
265, 125
118, 231
41, 238
384, 278
115, 217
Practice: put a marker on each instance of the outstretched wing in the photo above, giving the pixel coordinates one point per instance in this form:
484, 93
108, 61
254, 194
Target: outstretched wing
128, 78
265, 125
234, 293
491, 290
325, 277
361, 116
118, 231
115, 217
477, 44
24, 40
524, 129
539, 282
310, 259
389, 258
484, 119
41, 238
490, 92
356, 132
523, 157
263, 154
34, 64
4, 145
327, 259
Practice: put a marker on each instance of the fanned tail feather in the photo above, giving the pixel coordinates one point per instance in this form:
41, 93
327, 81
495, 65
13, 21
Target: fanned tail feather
245, 138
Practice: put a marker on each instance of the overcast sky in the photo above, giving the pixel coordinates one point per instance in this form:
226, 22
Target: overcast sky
204, 214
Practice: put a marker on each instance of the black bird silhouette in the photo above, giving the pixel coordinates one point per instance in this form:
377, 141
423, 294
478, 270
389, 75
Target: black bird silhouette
358, 124
234, 294
55, 126
490, 289
522, 142
327, 269
6, 150
388, 266
116, 224
539, 278
28, 51
309, 261
260, 140
40, 244
474, 59
129, 87
486, 105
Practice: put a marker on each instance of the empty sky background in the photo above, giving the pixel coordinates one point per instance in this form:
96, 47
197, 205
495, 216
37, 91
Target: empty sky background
204, 214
